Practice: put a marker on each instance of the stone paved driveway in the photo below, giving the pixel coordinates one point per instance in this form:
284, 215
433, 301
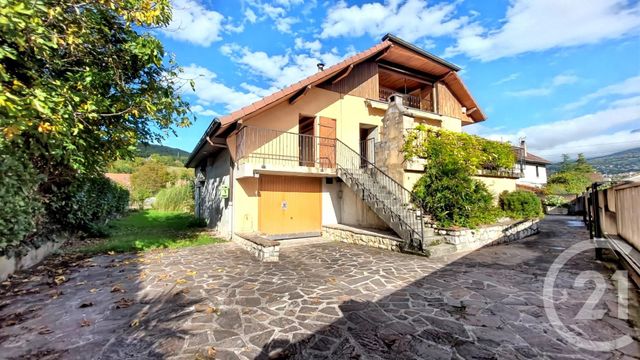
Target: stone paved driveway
324, 301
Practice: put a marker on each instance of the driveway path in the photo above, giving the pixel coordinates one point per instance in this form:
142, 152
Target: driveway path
323, 301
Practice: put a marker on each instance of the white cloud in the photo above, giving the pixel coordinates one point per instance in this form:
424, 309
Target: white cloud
210, 92
630, 86
193, 23
557, 81
250, 16
411, 19
507, 78
200, 110
286, 69
313, 46
538, 25
564, 79
283, 24
601, 132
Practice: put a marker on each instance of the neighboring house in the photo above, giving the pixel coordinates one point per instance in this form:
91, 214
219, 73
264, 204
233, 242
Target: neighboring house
532, 167
121, 179
327, 150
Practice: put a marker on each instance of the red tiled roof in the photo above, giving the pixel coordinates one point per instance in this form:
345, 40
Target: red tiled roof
121, 179
531, 158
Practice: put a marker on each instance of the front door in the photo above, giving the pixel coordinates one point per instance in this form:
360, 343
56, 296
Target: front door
290, 205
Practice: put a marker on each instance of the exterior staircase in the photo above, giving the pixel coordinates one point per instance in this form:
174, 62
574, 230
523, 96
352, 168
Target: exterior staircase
388, 199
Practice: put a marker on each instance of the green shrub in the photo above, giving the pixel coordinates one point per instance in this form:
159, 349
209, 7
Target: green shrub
455, 199
87, 201
555, 200
447, 191
21, 203
521, 204
177, 198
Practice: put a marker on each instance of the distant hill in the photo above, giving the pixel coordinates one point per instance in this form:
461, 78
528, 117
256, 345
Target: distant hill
616, 163
148, 150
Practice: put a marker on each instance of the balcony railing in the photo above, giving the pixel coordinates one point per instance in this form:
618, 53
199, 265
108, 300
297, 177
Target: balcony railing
407, 100
285, 149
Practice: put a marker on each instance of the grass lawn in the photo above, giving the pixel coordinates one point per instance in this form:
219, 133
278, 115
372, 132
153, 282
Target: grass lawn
151, 229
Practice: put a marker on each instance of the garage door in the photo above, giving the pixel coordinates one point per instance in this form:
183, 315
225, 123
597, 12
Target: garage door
290, 205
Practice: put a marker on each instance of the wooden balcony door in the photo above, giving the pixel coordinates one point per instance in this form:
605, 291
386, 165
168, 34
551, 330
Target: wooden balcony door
306, 142
327, 142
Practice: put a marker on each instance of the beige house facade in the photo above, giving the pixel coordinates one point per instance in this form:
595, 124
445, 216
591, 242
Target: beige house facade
326, 150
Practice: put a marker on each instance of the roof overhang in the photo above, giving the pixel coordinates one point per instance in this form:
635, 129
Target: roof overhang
391, 50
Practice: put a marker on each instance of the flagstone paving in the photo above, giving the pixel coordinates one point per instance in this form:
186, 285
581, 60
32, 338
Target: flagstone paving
323, 301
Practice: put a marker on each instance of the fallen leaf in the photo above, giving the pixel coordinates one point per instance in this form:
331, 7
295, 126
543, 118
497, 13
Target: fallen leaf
86, 304
44, 330
181, 281
117, 288
212, 310
55, 294
81, 283
85, 323
163, 277
191, 273
135, 323
111, 253
124, 303
211, 352
93, 291
10, 322
59, 279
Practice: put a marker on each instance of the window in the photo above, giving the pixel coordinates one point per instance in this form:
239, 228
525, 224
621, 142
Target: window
537, 171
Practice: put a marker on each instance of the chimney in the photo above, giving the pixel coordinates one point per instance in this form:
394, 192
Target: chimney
523, 146
320, 66
397, 99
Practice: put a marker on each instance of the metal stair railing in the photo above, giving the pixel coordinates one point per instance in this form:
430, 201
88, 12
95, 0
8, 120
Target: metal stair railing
383, 194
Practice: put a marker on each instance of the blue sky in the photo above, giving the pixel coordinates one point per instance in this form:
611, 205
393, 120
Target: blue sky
564, 74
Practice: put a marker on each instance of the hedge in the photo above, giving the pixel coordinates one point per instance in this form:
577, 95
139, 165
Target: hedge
521, 204
21, 204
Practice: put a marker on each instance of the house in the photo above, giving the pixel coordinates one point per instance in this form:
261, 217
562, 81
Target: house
327, 150
532, 167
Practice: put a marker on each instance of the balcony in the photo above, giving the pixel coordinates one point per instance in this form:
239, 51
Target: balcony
260, 150
408, 100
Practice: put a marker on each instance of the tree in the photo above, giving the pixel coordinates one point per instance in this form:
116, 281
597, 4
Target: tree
572, 178
148, 180
82, 83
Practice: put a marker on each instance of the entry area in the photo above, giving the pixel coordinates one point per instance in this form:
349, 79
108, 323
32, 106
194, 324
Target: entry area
290, 206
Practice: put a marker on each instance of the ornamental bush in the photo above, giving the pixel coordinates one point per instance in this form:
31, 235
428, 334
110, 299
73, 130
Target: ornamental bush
176, 198
453, 198
447, 191
521, 204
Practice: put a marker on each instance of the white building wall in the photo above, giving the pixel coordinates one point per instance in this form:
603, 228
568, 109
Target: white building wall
330, 202
533, 178
213, 208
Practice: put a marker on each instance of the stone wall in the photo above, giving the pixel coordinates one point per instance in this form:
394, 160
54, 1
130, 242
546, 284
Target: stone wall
471, 239
9, 265
264, 249
359, 236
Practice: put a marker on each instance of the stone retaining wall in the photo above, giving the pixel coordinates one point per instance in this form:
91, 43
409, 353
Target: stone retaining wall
264, 249
9, 265
471, 239
368, 237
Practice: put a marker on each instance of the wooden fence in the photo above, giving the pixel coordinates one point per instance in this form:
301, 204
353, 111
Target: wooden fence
612, 214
